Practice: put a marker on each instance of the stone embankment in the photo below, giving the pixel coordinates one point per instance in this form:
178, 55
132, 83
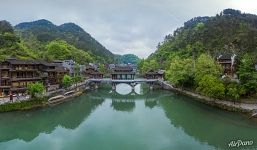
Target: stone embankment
247, 108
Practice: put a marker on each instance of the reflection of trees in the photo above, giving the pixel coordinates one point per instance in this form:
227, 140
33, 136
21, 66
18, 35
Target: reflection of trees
124, 105
207, 124
150, 103
28, 125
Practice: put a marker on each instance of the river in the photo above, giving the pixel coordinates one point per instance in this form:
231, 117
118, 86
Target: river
145, 120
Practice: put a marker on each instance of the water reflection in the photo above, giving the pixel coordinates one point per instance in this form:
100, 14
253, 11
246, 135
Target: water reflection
149, 120
124, 105
207, 124
150, 103
28, 125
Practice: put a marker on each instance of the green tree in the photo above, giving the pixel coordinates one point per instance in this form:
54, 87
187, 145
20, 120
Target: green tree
35, 89
102, 68
247, 75
66, 81
58, 50
77, 76
211, 86
234, 91
149, 65
180, 71
206, 65
61, 50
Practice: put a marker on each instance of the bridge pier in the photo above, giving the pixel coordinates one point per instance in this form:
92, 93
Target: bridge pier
133, 86
151, 86
113, 86
96, 85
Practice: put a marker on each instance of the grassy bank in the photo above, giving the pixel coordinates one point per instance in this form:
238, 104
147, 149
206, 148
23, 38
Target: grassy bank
24, 105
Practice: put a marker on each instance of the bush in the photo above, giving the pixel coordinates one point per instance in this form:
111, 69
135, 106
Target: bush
211, 86
35, 88
66, 81
234, 91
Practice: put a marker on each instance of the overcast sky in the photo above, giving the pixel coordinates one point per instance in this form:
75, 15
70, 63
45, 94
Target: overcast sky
122, 26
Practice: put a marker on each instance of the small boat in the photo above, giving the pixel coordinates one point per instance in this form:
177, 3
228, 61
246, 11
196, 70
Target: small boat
69, 93
56, 98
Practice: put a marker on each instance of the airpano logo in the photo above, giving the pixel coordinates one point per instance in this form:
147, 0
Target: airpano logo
239, 143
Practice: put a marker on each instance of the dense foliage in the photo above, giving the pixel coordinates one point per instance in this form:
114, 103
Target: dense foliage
147, 65
128, 58
211, 86
11, 45
60, 50
43, 40
247, 75
228, 32
66, 81
189, 55
180, 71
36, 89
38, 33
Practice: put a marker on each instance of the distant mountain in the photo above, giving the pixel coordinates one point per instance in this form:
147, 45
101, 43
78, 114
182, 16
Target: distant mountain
43, 31
128, 58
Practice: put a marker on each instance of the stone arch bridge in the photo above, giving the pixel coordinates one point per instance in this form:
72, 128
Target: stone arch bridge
132, 83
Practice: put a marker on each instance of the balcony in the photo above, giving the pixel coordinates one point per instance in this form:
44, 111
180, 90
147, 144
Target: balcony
19, 88
22, 69
5, 86
5, 67
5, 77
26, 79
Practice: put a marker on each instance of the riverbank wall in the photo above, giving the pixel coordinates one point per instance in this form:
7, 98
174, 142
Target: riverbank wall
249, 108
41, 102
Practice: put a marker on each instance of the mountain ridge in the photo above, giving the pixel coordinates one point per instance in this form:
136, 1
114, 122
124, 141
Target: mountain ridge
45, 31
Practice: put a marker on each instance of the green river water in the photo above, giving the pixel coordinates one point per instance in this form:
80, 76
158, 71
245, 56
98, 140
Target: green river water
105, 120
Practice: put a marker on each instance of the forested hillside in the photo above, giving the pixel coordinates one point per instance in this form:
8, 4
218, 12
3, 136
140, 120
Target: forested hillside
36, 35
11, 45
189, 55
43, 40
228, 32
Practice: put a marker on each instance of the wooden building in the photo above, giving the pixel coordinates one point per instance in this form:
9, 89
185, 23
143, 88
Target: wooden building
227, 61
92, 72
159, 74
123, 73
16, 75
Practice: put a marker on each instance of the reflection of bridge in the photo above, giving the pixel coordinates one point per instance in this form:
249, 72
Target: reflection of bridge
147, 96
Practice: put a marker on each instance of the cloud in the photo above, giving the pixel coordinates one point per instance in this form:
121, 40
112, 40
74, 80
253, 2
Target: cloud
122, 26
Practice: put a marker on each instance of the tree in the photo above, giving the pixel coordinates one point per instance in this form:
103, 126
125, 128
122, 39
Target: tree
61, 50
58, 50
66, 81
180, 71
206, 65
211, 86
247, 75
153, 64
129, 58
149, 65
102, 68
234, 91
35, 89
